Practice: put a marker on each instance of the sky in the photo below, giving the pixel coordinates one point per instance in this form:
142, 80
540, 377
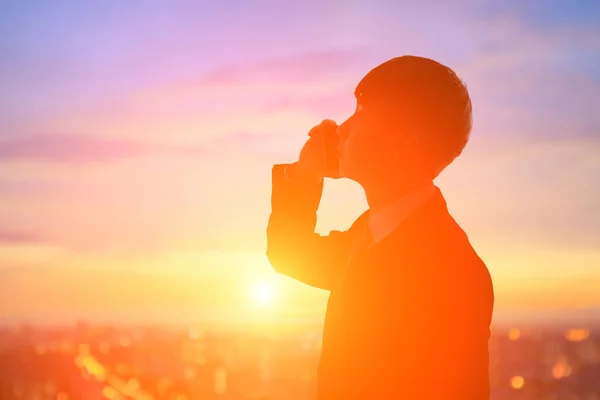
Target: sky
137, 141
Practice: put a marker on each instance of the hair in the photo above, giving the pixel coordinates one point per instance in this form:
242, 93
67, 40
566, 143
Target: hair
422, 96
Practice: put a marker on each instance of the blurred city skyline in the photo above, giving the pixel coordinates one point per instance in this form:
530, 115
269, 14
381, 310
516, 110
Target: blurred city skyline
136, 145
89, 361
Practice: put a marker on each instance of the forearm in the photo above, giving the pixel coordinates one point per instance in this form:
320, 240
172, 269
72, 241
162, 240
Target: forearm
293, 247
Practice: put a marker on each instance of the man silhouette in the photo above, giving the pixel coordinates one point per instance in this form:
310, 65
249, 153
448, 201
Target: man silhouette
410, 302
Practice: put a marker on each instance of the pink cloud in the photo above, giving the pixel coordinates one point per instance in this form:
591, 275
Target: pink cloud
338, 103
19, 187
20, 237
312, 66
87, 149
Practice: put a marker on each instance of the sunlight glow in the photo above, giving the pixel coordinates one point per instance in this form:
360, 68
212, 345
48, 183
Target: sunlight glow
263, 293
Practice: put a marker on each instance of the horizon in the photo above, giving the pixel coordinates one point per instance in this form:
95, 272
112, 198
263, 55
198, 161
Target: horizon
579, 318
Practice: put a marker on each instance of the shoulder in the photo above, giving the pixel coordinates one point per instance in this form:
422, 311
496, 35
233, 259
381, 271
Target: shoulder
445, 255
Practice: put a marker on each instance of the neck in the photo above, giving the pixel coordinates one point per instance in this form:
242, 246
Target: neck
381, 194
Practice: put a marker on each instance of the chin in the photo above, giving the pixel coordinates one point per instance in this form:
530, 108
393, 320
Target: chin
342, 170
344, 173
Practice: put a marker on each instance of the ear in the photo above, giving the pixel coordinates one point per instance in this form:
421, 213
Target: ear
405, 147
412, 145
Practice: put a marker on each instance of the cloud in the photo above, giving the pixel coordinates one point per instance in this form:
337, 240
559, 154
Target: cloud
308, 67
534, 82
80, 149
34, 187
87, 149
22, 238
225, 99
321, 104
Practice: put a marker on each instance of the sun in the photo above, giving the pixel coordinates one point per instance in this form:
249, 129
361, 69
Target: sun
263, 293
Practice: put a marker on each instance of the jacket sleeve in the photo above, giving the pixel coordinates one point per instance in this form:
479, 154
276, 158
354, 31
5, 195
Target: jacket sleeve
293, 247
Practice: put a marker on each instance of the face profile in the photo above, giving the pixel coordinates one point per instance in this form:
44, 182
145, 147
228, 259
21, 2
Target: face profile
366, 149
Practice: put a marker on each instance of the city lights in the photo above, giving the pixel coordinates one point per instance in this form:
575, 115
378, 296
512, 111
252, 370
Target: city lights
197, 362
517, 382
577, 335
514, 334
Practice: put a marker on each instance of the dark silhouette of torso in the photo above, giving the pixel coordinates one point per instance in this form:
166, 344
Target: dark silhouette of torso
407, 318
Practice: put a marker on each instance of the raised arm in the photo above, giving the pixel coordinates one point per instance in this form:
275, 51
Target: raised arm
293, 247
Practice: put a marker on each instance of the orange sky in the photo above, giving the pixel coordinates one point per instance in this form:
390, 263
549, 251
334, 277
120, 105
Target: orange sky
135, 154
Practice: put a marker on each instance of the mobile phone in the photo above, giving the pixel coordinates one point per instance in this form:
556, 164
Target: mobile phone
330, 144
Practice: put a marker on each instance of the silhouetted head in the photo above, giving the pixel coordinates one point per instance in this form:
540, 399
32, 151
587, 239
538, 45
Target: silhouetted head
412, 119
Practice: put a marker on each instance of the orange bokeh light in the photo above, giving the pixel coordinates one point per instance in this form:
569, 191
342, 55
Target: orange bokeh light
577, 335
517, 382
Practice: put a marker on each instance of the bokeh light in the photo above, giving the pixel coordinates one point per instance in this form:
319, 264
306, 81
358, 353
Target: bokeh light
517, 382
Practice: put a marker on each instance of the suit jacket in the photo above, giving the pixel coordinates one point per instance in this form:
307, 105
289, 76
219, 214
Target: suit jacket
407, 319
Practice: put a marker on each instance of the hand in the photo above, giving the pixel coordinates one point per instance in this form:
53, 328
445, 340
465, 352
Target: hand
311, 163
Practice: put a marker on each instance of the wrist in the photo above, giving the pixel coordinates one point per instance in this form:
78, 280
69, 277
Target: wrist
295, 173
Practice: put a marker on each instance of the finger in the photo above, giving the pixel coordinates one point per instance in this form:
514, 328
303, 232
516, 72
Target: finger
328, 123
325, 124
